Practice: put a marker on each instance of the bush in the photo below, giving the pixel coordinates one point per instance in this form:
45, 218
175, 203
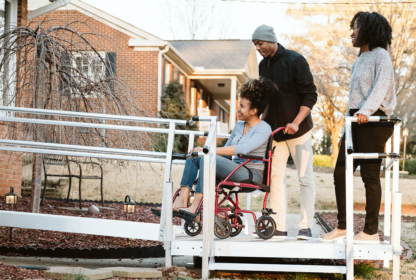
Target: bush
410, 166
363, 270
322, 161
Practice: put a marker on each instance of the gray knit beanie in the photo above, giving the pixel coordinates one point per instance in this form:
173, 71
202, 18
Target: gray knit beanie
264, 33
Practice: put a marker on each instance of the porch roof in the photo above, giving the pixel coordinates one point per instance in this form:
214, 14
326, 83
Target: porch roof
215, 54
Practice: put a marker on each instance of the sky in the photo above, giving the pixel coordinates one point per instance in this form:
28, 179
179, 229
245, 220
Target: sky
241, 17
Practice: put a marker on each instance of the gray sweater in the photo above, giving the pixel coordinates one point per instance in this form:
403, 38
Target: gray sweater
372, 83
254, 142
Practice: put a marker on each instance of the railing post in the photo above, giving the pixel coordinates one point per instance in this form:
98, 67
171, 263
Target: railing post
396, 221
349, 173
395, 241
209, 194
191, 141
387, 200
166, 213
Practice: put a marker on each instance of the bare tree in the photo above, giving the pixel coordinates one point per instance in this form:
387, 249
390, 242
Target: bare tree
50, 65
327, 46
197, 19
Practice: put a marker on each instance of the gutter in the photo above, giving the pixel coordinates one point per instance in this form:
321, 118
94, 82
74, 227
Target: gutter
48, 8
159, 78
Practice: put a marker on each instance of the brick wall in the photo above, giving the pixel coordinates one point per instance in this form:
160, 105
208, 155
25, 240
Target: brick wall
139, 67
22, 12
10, 168
11, 163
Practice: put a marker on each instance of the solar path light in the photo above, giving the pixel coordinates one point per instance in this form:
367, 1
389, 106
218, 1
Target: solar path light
11, 199
129, 206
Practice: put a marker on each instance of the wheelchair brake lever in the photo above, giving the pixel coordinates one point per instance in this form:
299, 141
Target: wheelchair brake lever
192, 155
219, 224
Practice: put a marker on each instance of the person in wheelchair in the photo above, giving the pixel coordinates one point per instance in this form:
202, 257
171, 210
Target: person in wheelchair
249, 136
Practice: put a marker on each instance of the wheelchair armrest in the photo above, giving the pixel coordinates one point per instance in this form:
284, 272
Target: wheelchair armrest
249, 156
178, 156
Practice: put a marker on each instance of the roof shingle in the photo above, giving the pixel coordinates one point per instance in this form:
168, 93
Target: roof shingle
215, 54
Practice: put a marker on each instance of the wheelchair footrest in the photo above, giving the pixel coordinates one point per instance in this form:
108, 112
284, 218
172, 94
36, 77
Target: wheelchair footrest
158, 213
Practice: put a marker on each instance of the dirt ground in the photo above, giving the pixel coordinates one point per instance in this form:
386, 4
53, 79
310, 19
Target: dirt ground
144, 183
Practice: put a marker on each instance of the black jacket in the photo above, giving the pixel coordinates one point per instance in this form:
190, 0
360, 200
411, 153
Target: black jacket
291, 73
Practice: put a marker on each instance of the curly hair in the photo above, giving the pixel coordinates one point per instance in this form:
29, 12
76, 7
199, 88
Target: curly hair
374, 30
258, 91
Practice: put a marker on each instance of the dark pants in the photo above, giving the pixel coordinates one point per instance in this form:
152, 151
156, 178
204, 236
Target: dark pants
367, 138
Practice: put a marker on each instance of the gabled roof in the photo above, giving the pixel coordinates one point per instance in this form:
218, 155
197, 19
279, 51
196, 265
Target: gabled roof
215, 54
139, 36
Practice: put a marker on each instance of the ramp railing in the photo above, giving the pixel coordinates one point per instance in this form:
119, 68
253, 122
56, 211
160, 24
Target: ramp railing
162, 232
394, 195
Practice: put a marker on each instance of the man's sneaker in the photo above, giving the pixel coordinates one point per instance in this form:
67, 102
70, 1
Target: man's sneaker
333, 235
366, 238
305, 233
280, 234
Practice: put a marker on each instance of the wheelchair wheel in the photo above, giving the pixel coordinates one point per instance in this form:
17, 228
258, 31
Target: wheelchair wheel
235, 231
193, 229
223, 234
265, 227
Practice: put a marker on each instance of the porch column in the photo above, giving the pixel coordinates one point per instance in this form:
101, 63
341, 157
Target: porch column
233, 102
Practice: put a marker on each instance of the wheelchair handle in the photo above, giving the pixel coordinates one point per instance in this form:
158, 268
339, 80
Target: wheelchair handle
278, 129
192, 121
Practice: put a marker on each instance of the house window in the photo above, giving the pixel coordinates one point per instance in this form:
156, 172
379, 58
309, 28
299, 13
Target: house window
91, 66
181, 79
168, 73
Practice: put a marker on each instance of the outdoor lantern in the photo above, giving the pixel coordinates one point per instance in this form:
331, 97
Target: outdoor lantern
11, 197
191, 198
129, 206
405, 132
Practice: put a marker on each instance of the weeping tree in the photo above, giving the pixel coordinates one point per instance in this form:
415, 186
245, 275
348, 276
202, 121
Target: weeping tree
53, 65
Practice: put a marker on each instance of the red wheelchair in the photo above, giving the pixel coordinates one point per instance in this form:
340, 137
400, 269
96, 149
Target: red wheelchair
228, 220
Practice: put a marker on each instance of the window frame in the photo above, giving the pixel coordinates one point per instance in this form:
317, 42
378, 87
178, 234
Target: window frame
77, 55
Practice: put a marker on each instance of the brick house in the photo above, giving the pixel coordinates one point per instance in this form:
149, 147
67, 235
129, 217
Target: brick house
210, 71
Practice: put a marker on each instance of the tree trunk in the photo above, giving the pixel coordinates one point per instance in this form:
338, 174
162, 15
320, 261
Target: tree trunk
37, 158
335, 147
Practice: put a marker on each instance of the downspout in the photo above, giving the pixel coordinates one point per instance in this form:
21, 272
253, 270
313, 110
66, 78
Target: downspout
159, 84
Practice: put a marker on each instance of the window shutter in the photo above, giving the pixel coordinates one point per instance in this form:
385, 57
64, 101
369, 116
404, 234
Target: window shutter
110, 70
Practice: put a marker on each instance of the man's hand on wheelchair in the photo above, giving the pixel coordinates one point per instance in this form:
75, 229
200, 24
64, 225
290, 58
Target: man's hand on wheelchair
291, 128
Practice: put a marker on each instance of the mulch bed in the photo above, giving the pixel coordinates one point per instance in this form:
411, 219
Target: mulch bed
35, 239
14, 272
